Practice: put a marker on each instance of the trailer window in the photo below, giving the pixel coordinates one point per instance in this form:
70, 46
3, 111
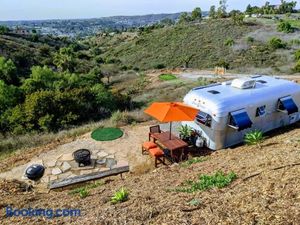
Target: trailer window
239, 120
261, 111
287, 104
204, 118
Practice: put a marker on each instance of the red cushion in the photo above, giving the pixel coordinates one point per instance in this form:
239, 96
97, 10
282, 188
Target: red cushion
156, 152
148, 145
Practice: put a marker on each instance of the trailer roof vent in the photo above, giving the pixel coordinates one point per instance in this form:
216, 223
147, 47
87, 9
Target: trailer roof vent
243, 83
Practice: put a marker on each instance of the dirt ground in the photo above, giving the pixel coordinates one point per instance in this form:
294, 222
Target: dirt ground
267, 191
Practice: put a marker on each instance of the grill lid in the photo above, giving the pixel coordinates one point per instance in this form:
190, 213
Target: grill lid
34, 172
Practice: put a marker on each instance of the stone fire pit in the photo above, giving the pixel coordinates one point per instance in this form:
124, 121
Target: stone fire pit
65, 171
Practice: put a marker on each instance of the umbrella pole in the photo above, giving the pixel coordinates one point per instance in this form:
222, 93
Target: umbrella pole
170, 130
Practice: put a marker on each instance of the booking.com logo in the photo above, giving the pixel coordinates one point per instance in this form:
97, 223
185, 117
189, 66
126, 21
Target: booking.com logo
48, 213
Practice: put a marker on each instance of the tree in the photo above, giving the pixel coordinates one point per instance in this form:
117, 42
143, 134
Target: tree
4, 29
287, 7
64, 59
249, 10
167, 22
9, 96
184, 17
221, 13
196, 14
237, 17
212, 12
109, 70
186, 60
8, 71
41, 78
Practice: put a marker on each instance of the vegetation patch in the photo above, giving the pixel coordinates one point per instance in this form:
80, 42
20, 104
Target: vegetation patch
120, 196
193, 161
254, 138
83, 192
205, 182
167, 77
107, 134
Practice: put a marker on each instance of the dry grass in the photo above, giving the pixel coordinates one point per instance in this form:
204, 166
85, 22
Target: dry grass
269, 197
9, 145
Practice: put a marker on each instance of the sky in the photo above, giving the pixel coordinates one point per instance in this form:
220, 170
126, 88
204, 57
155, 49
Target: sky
72, 9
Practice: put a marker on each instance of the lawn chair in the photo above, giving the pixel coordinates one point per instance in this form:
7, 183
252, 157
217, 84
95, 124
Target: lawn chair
154, 129
146, 146
159, 156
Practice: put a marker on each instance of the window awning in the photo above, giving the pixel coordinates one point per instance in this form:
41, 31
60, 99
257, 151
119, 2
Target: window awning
240, 120
287, 104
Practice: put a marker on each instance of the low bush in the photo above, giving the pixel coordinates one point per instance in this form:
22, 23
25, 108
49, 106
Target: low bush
193, 161
119, 118
229, 42
285, 26
159, 66
217, 180
297, 55
254, 138
277, 43
250, 39
84, 193
297, 67
120, 196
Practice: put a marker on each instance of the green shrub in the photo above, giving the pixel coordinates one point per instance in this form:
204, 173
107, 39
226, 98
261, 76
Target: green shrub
193, 161
277, 43
202, 81
297, 55
297, 67
285, 26
159, 66
87, 188
84, 193
120, 196
217, 180
167, 77
223, 63
185, 131
295, 42
194, 202
250, 39
119, 118
254, 138
229, 42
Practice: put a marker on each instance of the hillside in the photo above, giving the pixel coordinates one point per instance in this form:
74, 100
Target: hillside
205, 45
86, 27
265, 192
29, 50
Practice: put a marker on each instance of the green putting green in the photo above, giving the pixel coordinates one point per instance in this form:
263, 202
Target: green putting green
167, 77
107, 134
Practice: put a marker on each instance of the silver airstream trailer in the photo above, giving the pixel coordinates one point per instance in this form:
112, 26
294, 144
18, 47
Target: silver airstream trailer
231, 109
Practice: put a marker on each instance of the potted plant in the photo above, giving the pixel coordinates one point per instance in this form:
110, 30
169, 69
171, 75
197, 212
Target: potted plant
185, 132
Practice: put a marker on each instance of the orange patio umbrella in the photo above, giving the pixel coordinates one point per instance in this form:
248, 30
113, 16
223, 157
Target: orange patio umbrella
171, 112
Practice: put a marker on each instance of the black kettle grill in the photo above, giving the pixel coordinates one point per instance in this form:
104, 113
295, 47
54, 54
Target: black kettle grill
35, 172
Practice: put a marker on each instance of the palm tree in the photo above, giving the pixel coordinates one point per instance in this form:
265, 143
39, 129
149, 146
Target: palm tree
64, 59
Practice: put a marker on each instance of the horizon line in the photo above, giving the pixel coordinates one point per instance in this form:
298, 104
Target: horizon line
90, 18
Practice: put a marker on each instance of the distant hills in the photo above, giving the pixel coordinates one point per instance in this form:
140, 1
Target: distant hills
85, 27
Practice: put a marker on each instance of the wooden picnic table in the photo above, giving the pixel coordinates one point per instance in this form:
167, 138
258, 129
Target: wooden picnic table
173, 144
